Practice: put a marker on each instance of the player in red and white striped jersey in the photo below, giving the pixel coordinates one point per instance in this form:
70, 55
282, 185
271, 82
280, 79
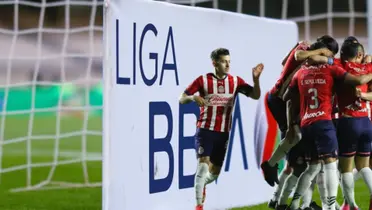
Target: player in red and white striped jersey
217, 92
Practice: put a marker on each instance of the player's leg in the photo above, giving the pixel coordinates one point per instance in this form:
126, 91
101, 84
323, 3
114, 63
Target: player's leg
278, 109
307, 198
347, 137
312, 170
324, 148
204, 146
322, 188
217, 156
363, 154
356, 174
282, 178
327, 147
296, 160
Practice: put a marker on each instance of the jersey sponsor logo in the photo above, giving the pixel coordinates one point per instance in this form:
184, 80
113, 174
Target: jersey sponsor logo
358, 69
312, 115
220, 100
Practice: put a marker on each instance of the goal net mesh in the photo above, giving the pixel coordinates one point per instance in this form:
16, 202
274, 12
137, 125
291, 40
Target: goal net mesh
50, 79
50, 94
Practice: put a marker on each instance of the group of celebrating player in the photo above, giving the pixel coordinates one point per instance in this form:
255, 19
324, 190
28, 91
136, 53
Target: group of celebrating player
321, 104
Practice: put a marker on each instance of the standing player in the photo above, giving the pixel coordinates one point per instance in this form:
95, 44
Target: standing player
217, 92
311, 92
354, 129
278, 109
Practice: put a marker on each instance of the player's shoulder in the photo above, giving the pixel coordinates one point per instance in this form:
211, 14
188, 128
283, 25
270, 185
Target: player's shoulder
337, 62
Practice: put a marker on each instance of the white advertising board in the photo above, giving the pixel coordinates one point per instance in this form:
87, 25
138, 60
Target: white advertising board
154, 51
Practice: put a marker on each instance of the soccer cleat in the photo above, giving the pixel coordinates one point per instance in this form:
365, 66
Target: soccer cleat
281, 207
270, 173
315, 206
308, 208
204, 194
272, 204
345, 206
199, 207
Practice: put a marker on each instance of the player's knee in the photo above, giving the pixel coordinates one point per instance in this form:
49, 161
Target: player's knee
204, 159
314, 168
288, 169
330, 160
215, 170
346, 164
361, 162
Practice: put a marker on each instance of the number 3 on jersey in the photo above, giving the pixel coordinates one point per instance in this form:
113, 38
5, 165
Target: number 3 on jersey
314, 98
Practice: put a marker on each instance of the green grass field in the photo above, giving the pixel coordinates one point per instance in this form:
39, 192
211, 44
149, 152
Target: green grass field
42, 150
70, 148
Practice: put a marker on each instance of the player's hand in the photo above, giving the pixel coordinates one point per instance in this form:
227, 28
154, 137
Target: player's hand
305, 42
256, 72
367, 59
326, 52
199, 100
358, 92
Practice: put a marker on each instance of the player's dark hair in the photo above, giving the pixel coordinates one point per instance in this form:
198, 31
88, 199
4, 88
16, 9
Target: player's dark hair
317, 45
217, 53
351, 39
350, 50
324, 37
331, 43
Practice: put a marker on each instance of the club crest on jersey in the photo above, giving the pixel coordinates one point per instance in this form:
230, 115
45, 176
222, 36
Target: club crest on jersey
221, 89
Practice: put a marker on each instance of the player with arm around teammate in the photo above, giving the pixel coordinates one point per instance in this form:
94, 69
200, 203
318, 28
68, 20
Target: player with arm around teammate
296, 154
217, 92
312, 89
354, 129
278, 109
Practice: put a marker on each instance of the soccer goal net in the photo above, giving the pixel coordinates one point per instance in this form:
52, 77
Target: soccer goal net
50, 94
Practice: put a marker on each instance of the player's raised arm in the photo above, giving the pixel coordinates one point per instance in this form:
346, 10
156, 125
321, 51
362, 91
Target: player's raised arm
289, 53
302, 55
255, 91
320, 59
256, 73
